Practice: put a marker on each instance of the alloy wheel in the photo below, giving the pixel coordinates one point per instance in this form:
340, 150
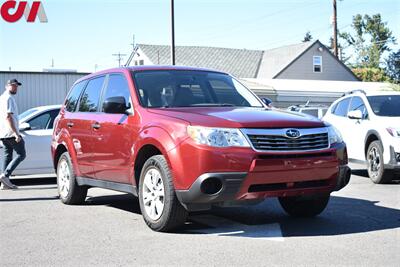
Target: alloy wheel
374, 160
153, 194
63, 177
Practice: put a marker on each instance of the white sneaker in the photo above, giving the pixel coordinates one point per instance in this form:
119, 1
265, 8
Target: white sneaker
6, 183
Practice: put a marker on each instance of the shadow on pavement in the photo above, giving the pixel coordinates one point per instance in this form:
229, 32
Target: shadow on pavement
360, 172
34, 181
125, 202
342, 216
363, 173
29, 199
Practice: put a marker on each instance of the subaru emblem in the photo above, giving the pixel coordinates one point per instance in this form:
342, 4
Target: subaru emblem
293, 133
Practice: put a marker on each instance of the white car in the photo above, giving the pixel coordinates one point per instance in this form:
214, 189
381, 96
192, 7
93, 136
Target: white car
370, 126
36, 127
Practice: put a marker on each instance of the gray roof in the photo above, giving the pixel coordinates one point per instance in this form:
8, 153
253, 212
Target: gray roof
275, 60
242, 63
239, 62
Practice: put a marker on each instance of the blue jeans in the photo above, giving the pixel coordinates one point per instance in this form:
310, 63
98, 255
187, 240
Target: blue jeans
10, 145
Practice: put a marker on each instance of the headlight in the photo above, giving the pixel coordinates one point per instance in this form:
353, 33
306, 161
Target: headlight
217, 137
334, 135
395, 132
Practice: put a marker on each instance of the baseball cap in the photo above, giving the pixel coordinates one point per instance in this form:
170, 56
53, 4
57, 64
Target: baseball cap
14, 81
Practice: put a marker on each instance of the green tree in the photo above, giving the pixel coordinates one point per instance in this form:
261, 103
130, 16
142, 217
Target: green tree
393, 66
307, 37
367, 74
371, 38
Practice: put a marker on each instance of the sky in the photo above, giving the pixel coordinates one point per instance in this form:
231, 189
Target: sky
83, 34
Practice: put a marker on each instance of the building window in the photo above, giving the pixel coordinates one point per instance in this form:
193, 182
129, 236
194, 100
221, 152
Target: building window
139, 62
317, 63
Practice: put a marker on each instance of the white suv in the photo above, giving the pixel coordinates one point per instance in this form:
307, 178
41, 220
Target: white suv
370, 126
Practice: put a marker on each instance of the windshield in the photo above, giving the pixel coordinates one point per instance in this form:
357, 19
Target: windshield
26, 113
385, 105
176, 88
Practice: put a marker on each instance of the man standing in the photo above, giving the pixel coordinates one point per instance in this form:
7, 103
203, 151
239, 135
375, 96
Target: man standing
9, 133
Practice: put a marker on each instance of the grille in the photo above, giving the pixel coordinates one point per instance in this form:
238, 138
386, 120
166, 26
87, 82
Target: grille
274, 141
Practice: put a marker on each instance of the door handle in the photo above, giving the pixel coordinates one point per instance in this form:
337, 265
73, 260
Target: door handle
96, 125
70, 124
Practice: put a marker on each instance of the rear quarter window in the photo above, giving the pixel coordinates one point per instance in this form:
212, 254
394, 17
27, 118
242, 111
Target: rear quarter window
342, 107
72, 99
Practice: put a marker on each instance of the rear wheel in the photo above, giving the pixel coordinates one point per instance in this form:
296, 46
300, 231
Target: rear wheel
304, 206
160, 207
375, 164
68, 189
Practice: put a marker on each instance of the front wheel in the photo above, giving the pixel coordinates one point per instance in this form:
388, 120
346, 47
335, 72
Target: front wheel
375, 164
304, 206
68, 189
159, 205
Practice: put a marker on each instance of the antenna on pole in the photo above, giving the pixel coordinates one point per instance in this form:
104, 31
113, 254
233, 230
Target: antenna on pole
133, 53
133, 42
119, 57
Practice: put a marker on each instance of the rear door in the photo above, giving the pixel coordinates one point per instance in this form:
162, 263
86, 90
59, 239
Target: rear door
79, 122
116, 133
339, 119
358, 129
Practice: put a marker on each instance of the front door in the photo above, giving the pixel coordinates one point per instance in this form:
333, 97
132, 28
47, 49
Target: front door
116, 133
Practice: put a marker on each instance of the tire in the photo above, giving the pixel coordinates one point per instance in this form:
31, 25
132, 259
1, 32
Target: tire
69, 191
159, 205
304, 206
375, 164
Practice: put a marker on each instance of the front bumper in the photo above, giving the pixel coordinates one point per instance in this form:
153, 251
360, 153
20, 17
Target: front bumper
232, 184
394, 162
268, 176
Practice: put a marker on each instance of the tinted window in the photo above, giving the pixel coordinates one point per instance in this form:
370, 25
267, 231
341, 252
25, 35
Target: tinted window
53, 115
73, 96
26, 113
342, 107
90, 98
191, 88
44, 120
358, 104
118, 86
385, 105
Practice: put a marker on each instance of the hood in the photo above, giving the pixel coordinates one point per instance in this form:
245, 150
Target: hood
233, 117
388, 121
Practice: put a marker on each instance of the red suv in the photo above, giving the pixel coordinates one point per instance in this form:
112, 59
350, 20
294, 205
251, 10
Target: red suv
186, 139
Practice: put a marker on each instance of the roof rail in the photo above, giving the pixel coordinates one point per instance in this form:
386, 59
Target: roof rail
355, 91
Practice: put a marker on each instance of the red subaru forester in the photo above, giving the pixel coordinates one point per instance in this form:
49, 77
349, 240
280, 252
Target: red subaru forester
185, 139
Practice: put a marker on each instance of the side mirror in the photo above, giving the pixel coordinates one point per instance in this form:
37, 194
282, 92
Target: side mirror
115, 105
355, 114
24, 126
267, 101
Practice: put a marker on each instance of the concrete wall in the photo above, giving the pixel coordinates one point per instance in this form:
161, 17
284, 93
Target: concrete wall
302, 68
40, 88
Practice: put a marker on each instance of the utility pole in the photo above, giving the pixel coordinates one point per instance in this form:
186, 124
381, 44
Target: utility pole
335, 44
119, 59
172, 34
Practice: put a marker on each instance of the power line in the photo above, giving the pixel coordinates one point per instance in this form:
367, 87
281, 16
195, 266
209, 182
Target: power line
119, 57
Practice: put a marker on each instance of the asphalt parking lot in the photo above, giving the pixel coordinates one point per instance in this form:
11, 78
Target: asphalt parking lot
360, 227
